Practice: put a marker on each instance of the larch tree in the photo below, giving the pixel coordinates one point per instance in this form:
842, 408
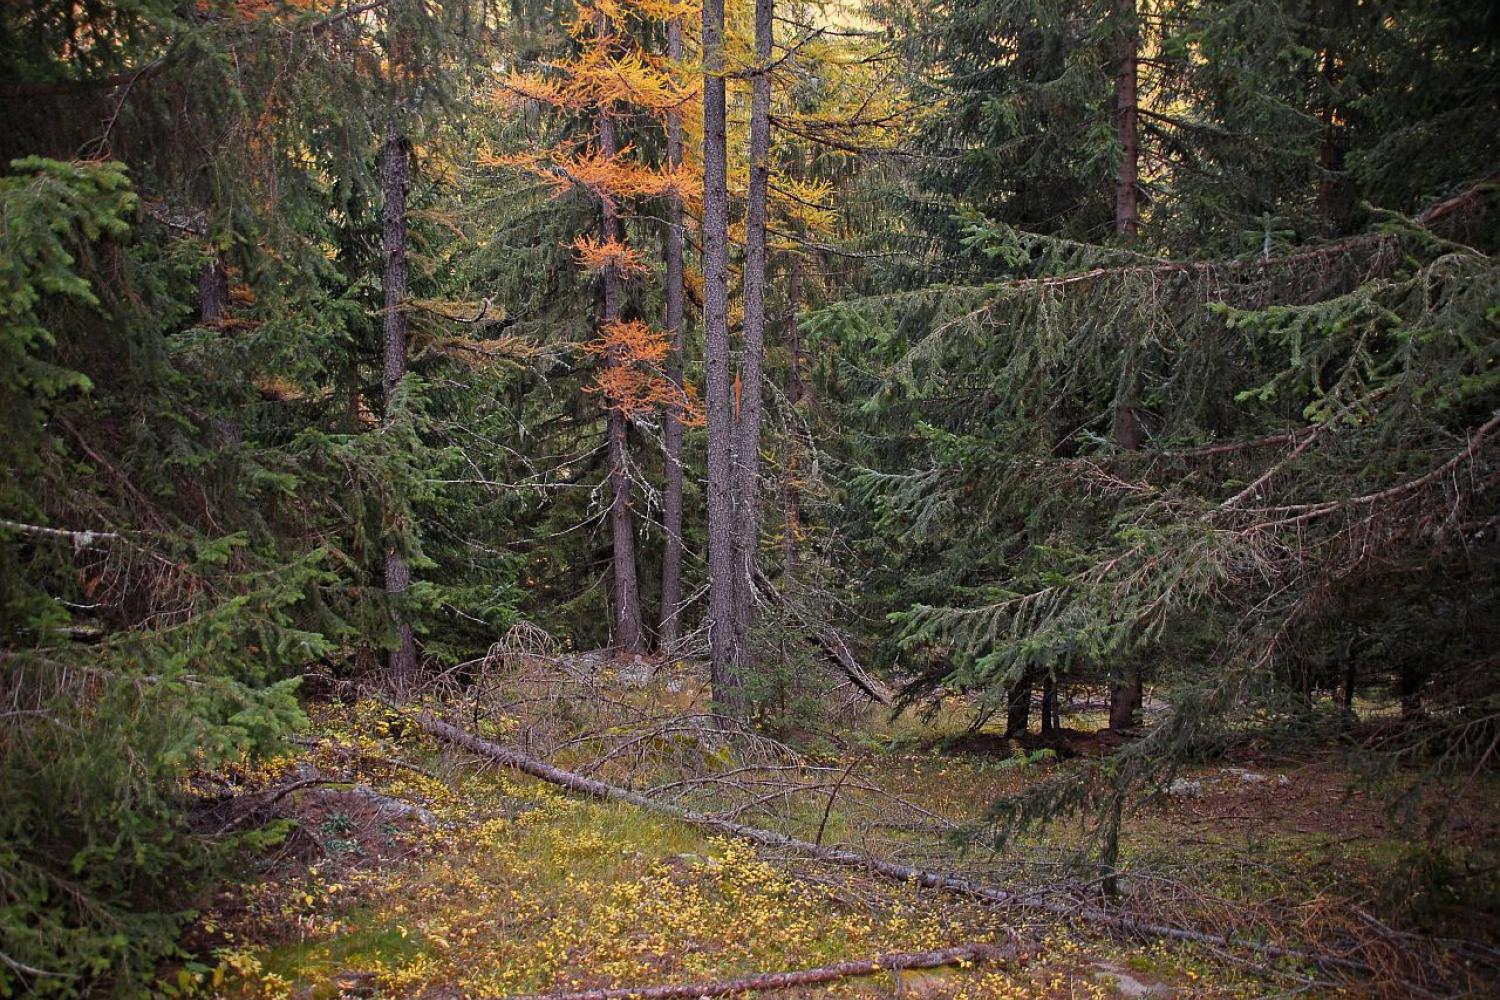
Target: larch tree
747, 417
1127, 119
669, 628
727, 670
610, 79
395, 184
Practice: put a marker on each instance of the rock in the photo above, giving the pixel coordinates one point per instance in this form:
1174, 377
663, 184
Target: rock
675, 685
1249, 777
355, 984
637, 672
921, 985
392, 808
1125, 984
1185, 788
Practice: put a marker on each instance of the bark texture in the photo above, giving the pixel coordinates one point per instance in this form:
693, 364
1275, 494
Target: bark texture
1018, 706
1127, 119
1125, 700
395, 182
629, 634
752, 363
727, 677
1049, 704
671, 559
796, 389
213, 292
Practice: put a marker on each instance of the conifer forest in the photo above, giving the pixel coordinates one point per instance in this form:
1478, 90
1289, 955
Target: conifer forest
593, 499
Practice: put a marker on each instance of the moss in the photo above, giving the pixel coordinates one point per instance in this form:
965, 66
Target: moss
365, 942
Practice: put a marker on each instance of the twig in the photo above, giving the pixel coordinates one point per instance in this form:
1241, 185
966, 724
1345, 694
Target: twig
30, 970
80, 539
823, 823
276, 797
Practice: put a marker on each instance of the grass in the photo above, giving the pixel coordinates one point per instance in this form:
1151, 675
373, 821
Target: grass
520, 889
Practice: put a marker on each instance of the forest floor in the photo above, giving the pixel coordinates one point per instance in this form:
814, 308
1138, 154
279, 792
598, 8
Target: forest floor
398, 867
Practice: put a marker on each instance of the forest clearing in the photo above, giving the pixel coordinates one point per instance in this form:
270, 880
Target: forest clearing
454, 877
603, 499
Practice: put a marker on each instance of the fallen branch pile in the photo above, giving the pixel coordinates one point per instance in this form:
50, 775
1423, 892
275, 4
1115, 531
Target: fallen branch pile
895, 961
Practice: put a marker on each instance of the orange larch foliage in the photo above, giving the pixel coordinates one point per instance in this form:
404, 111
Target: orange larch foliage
635, 382
596, 255
251, 9
612, 78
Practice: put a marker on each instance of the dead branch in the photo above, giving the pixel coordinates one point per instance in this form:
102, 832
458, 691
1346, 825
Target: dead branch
268, 800
927, 878
80, 539
834, 645
894, 961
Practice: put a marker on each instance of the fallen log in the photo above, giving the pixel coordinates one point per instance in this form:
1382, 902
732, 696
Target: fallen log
894, 962
843, 857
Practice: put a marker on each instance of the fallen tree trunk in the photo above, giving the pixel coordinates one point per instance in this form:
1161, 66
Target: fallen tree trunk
799, 977
843, 857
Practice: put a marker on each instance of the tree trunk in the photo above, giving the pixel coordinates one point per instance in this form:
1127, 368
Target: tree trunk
1125, 700
671, 558
629, 635
791, 494
1049, 704
1018, 706
1125, 690
1127, 212
395, 181
1330, 157
1351, 672
747, 419
213, 292
726, 676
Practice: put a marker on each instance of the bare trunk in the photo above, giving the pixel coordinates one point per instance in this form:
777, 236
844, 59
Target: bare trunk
726, 673
395, 181
213, 292
1049, 704
1125, 700
629, 636
747, 423
1329, 158
1018, 706
1127, 427
1351, 672
1125, 690
791, 494
1127, 213
671, 558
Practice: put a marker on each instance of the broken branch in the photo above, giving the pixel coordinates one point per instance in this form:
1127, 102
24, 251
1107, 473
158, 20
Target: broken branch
894, 961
